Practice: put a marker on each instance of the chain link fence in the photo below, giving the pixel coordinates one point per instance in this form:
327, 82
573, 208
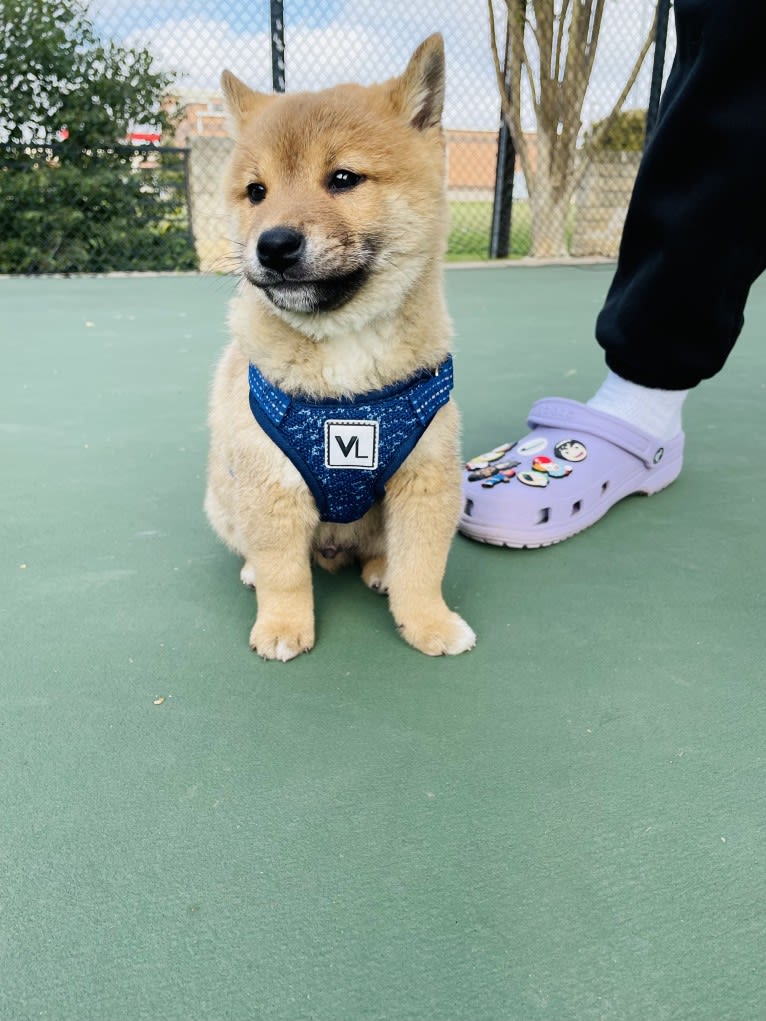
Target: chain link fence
113, 132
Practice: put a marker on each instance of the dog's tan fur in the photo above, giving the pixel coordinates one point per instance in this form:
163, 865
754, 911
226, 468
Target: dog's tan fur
393, 226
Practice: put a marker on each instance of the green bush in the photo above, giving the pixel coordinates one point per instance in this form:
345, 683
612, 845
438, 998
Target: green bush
97, 213
625, 133
72, 198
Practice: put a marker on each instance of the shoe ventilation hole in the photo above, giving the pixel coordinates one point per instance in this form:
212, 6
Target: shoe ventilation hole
604, 487
576, 507
545, 513
468, 509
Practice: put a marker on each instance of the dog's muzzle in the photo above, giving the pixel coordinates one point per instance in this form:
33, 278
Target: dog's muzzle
285, 273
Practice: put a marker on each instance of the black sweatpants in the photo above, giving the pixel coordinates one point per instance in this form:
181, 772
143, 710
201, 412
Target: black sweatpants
695, 235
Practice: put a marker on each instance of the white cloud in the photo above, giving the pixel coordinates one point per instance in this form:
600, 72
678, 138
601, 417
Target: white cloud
198, 49
369, 40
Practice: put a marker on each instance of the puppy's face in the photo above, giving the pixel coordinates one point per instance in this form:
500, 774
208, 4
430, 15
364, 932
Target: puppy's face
332, 190
305, 192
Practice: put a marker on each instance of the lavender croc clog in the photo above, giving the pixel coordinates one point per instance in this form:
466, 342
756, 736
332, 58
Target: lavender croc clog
573, 466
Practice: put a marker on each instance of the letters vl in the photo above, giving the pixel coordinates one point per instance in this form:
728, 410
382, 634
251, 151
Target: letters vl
351, 444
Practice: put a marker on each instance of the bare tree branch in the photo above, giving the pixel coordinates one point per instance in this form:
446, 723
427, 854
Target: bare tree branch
500, 77
518, 23
511, 106
609, 120
560, 38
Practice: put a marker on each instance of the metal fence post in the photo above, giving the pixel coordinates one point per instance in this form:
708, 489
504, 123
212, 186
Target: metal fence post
500, 237
185, 154
502, 204
658, 65
278, 45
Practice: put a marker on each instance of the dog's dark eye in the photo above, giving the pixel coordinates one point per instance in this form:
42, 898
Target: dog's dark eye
256, 193
344, 180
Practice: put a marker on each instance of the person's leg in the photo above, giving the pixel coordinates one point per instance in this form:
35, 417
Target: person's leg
693, 243
693, 240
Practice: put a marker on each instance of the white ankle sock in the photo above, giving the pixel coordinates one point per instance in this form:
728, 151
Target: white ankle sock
657, 412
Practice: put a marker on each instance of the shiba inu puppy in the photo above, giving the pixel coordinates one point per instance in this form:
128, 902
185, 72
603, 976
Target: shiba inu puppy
333, 434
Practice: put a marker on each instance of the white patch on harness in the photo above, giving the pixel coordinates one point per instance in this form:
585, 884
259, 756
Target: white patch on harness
351, 444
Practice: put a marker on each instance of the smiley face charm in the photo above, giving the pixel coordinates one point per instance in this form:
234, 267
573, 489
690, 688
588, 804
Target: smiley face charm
571, 450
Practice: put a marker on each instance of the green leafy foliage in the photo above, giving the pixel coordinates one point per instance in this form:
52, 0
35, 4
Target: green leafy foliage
123, 209
72, 198
623, 133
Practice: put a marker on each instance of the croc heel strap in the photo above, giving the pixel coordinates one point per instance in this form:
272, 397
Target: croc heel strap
562, 413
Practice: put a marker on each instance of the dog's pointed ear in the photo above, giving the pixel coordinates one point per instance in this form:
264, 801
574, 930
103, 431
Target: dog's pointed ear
419, 93
240, 99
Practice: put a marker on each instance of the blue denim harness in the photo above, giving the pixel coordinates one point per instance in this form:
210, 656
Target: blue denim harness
347, 450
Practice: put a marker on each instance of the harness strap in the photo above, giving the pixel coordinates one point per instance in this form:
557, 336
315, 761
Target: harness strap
400, 414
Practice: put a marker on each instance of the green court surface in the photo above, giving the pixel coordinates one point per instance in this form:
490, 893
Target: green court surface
566, 824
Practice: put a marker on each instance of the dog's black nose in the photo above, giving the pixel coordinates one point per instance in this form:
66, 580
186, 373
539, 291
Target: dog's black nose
280, 248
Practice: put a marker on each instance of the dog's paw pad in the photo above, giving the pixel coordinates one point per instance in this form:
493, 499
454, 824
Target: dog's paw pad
280, 643
445, 636
463, 639
247, 575
374, 575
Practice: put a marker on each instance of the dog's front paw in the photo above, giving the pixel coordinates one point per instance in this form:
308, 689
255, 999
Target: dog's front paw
247, 575
280, 639
375, 575
446, 634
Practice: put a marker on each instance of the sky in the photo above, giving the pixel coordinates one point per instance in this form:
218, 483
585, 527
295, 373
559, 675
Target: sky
361, 40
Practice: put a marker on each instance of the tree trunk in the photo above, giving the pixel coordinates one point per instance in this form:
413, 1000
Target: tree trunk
550, 198
550, 212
